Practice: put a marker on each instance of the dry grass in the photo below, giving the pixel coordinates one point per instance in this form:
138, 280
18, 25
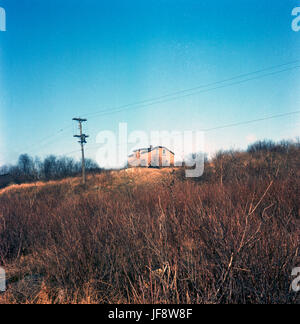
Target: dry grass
151, 236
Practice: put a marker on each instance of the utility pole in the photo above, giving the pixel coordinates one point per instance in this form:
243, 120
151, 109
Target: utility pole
82, 140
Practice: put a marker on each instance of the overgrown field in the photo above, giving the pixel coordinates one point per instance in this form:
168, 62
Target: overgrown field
152, 236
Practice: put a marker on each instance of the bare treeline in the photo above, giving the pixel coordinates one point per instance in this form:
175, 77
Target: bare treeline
29, 169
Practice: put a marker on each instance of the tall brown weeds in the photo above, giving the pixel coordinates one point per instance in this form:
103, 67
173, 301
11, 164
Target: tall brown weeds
229, 237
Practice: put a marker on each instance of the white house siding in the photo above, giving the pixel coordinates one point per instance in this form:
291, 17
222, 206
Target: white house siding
159, 156
155, 158
166, 158
144, 159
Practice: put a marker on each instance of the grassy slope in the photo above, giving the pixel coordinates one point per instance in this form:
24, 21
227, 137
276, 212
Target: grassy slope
151, 236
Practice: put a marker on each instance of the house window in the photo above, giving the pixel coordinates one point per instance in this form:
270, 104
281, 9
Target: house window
164, 152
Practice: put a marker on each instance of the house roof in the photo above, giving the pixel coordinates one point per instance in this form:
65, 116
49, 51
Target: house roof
141, 149
150, 149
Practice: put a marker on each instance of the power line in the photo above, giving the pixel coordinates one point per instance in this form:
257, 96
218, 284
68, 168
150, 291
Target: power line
226, 126
155, 99
198, 92
46, 141
173, 96
122, 108
252, 121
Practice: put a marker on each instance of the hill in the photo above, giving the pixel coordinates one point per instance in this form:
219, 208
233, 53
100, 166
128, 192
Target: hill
152, 236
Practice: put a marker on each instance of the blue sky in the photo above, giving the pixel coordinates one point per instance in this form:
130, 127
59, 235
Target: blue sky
61, 59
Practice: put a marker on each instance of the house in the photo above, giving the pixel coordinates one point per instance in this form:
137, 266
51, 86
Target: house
158, 156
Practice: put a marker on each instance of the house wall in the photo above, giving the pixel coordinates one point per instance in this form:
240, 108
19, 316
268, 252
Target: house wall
154, 158
144, 159
166, 158
158, 157
139, 159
